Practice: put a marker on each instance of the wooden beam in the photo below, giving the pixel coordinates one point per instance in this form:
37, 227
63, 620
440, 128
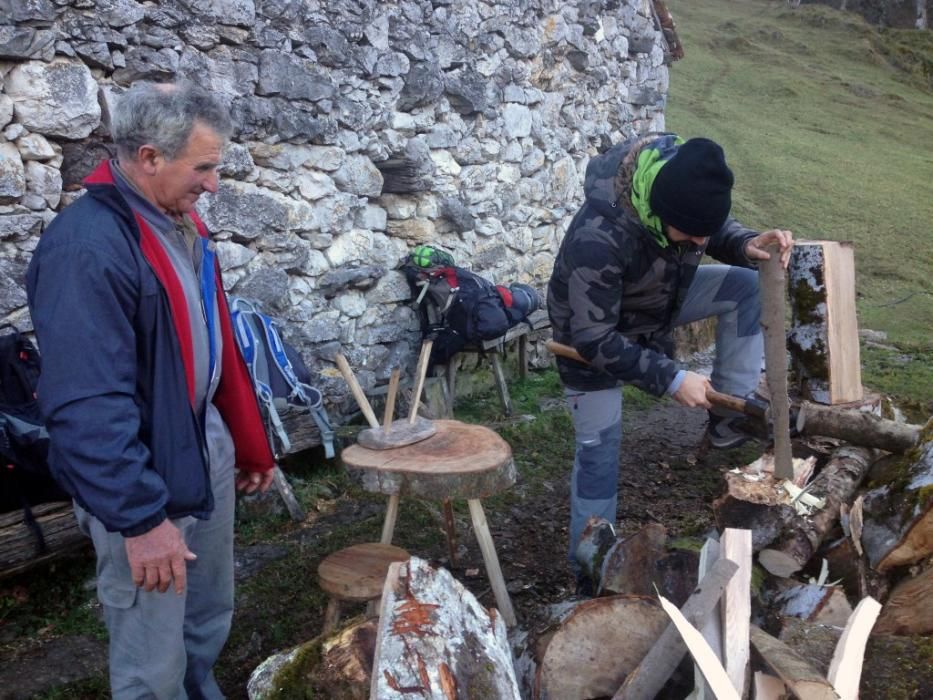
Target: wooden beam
736, 546
845, 670
712, 630
798, 675
824, 341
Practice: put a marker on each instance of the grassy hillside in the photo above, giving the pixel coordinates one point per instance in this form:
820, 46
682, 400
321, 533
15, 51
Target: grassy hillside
826, 138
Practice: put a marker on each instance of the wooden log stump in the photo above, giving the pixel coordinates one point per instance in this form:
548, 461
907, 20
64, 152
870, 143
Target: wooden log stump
856, 427
18, 545
823, 340
435, 640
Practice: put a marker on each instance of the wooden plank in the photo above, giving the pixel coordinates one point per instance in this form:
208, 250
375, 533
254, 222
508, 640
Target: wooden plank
845, 670
705, 658
736, 546
798, 675
712, 630
824, 333
768, 687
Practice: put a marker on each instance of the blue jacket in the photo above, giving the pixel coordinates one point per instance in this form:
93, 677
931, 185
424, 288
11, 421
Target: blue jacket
116, 388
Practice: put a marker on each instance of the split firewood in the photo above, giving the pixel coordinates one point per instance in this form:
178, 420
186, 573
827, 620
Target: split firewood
802, 535
647, 679
436, 640
803, 680
712, 629
736, 608
897, 514
909, 609
336, 665
768, 687
845, 669
20, 548
856, 427
826, 605
594, 646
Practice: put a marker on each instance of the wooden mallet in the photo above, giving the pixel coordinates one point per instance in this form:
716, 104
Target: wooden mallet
391, 433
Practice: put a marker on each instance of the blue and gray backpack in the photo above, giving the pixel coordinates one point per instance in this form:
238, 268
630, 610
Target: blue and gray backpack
280, 377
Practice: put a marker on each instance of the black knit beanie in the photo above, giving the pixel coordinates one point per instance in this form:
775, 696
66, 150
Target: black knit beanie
693, 190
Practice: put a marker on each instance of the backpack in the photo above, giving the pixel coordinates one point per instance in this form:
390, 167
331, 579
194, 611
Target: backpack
458, 307
25, 477
280, 377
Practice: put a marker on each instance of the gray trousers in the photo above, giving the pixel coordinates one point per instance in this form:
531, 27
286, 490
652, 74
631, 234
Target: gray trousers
731, 293
163, 645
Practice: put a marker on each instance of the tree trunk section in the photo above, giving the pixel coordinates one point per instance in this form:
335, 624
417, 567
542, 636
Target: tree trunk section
837, 484
857, 427
909, 609
436, 641
897, 514
19, 547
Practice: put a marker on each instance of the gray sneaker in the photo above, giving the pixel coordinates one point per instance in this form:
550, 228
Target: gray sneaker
725, 432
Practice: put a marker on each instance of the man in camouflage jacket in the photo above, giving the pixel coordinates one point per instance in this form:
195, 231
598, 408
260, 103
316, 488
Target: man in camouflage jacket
627, 273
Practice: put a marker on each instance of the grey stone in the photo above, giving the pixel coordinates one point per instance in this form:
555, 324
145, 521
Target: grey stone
359, 176
19, 43
371, 217
423, 85
279, 120
200, 36
244, 210
466, 92
267, 285
95, 54
390, 289
331, 48
44, 181
642, 96
522, 43
14, 131
55, 99
392, 63
314, 185
12, 285
377, 32
143, 63
12, 174
237, 162
360, 277
235, 12
18, 227
160, 38
29, 10
456, 213
119, 13
291, 77
517, 120
233, 255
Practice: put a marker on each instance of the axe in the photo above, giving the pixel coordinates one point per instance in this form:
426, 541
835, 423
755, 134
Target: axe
758, 411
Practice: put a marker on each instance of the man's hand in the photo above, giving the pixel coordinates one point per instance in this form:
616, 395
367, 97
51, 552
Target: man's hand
158, 557
755, 248
692, 391
249, 482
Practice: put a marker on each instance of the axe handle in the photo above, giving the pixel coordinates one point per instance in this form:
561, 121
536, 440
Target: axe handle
716, 398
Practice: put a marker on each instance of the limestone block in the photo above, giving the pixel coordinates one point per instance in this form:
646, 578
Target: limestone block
12, 174
328, 215
29, 10
316, 263
244, 210
22, 43
371, 217
414, 231
233, 12
353, 246
233, 255
14, 131
45, 181
399, 206
314, 185
266, 285
12, 279
445, 163
145, 63
119, 13
292, 77
6, 110
55, 99
19, 227
34, 147
391, 288
237, 162
517, 120
351, 303
359, 176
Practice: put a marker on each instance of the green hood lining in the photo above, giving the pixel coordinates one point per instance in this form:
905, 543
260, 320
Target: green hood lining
646, 170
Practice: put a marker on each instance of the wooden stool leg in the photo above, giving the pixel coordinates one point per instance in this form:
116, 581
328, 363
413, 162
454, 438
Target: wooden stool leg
451, 376
503, 387
331, 615
451, 529
295, 510
491, 560
388, 527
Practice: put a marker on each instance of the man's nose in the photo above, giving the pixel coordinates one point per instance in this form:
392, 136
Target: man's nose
211, 181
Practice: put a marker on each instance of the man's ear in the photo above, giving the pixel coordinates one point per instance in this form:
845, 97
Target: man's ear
149, 158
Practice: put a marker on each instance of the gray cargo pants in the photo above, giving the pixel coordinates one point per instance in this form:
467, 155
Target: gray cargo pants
163, 645
731, 293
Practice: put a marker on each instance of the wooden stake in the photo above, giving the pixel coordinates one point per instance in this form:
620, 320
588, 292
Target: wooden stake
357, 390
419, 385
771, 275
736, 546
390, 399
845, 670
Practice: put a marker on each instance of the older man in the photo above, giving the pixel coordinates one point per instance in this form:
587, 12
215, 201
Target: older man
149, 406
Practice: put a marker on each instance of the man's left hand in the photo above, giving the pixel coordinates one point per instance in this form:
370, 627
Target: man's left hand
250, 482
755, 249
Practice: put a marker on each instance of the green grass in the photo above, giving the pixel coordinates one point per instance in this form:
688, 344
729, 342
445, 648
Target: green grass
828, 125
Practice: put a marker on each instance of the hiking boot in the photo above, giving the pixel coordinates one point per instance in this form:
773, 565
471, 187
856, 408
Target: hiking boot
726, 432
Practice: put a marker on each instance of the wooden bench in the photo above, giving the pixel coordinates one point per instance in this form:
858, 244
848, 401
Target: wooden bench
495, 350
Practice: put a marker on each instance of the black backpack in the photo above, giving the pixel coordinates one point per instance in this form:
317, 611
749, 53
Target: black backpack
25, 477
458, 307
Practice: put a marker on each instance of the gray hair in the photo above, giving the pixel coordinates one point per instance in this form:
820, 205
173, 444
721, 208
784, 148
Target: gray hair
163, 115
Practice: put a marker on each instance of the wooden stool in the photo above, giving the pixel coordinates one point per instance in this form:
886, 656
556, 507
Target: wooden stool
356, 574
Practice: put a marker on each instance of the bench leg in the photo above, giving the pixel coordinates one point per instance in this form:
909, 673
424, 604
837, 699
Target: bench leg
503, 387
523, 357
451, 529
388, 527
331, 615
451, 376
491, 560
295, 510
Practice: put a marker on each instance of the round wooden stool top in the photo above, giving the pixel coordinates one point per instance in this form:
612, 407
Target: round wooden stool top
460, 460
359, 572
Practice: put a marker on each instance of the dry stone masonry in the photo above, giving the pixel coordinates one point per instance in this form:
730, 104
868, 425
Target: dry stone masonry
363, 129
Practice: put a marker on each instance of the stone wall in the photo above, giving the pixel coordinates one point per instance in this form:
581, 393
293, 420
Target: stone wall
493, 109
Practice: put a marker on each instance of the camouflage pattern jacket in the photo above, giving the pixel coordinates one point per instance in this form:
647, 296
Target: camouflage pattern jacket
615, 292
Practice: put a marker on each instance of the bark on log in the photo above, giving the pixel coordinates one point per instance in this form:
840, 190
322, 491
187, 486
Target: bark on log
647, 679
337, 665
436, 640
856, 427
909, 609
897, 515
771, 275
802, 536
18, 543
803, 680
595, 646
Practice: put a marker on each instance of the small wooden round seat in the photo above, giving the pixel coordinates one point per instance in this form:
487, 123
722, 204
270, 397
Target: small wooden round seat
356, 574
